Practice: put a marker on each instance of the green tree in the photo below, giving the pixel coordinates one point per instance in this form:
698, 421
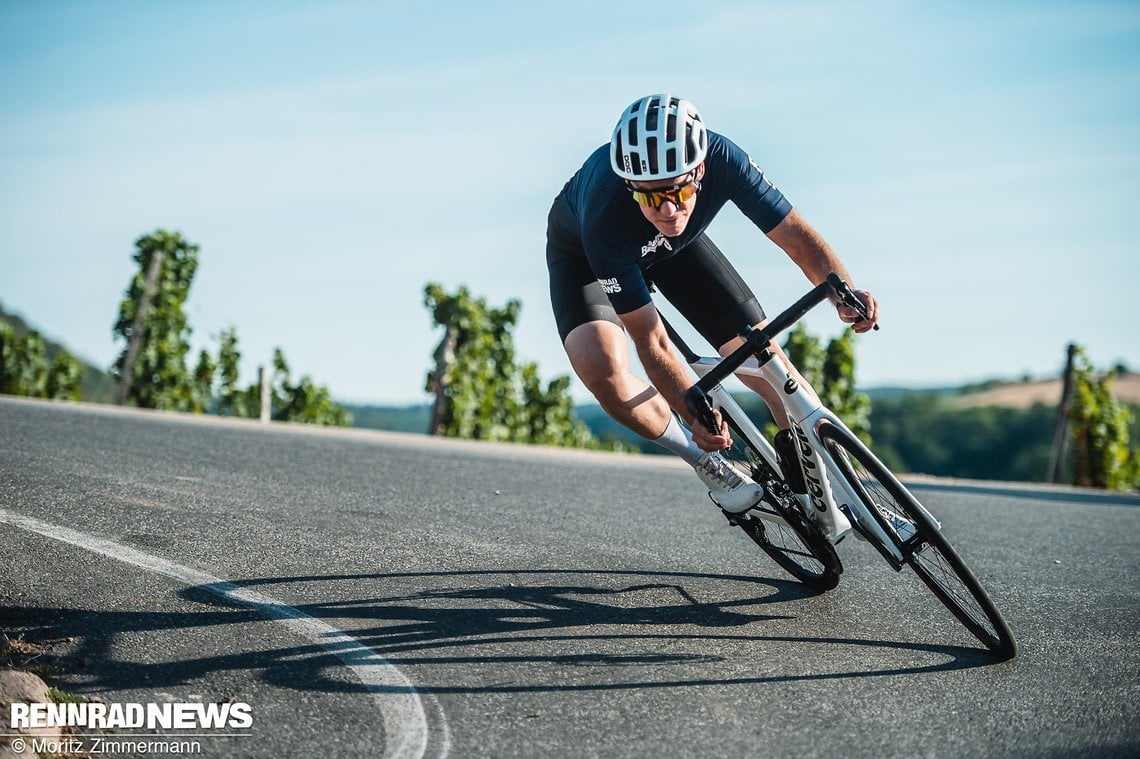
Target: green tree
25, 366
7, 367
159, 377
475, 365
202, 383
1102, 453
831, 373
31, 360
806, 354
232, 401
839, 392
8, 370
481, 392
305, 401
25, 370
64, 377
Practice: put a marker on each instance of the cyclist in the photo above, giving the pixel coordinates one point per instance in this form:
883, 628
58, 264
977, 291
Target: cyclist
634, 216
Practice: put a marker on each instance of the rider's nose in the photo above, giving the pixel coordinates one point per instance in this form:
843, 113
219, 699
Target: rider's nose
667, 209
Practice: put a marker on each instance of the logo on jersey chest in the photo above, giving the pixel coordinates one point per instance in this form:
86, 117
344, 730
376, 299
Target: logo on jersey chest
651, 247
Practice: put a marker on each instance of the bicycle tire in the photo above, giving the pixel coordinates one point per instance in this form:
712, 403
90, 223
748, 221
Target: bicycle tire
801, 548
928, 552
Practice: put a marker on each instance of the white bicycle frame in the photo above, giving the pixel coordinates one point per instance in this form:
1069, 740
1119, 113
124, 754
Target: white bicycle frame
828, 491
830, 500
838, 499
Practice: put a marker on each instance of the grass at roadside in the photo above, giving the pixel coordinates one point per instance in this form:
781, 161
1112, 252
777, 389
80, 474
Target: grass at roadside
26, 656
18, 653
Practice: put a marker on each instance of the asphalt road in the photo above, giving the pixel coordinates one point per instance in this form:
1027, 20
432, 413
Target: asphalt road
373, 594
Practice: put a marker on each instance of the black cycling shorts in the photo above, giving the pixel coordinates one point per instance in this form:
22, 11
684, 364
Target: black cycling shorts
699, 281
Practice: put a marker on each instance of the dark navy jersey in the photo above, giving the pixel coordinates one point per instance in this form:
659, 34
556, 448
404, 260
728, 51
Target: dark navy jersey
620, 243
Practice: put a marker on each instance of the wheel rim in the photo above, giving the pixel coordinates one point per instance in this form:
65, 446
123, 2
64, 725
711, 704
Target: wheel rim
929, 554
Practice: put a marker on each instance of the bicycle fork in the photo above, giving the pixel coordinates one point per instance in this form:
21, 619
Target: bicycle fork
829, 501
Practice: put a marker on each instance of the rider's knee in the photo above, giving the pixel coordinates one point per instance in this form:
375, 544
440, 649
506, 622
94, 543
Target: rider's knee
604, 383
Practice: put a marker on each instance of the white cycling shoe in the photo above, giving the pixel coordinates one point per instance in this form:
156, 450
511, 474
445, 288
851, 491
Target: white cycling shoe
731, 490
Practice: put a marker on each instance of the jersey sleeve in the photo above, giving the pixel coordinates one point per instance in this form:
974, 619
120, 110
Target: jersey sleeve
751, 191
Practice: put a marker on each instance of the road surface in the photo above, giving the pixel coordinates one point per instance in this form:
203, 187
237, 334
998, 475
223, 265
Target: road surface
375, 594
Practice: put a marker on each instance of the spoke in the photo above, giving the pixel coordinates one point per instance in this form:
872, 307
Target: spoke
939, 569
794, 544
943, 573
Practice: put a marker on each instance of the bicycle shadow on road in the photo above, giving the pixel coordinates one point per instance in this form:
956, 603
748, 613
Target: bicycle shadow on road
496, 631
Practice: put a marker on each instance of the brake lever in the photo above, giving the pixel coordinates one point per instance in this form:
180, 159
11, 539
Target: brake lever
848, 297
698, 404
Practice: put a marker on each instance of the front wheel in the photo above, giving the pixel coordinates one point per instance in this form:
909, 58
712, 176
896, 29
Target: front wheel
793, 542
920, 539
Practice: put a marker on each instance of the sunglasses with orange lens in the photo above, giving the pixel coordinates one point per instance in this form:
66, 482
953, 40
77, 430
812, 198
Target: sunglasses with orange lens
677, 194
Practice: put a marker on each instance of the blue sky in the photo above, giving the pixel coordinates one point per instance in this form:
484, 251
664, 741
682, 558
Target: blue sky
975, 164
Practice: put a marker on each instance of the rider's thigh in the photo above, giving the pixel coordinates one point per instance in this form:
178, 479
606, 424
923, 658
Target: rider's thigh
598, 351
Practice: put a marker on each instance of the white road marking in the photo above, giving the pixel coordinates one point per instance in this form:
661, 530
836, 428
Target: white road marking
402, 712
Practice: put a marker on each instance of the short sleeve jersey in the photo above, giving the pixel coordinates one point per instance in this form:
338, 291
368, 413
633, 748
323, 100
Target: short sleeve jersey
620, 243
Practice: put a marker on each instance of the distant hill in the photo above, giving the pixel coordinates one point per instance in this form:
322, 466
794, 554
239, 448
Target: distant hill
394, 418
1025, 394
997, 393
98, 386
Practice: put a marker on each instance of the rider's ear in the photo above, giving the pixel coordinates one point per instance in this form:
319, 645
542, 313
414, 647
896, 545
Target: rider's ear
701, 171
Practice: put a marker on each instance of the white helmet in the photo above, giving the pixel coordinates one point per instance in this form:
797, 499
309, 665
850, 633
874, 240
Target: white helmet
658, 137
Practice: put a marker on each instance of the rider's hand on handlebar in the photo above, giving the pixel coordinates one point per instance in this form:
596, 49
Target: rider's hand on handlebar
851, 316
708, 440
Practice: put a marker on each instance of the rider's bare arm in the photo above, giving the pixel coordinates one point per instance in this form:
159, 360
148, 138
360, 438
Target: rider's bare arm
666, 371
807, 248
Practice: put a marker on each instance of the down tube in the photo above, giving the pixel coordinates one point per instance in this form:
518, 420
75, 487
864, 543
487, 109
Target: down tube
819, 490
724, 400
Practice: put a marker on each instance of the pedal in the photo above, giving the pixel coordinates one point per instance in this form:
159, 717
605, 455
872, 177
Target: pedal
743, 520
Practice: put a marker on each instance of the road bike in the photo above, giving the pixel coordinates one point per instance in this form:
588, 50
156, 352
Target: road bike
846, 488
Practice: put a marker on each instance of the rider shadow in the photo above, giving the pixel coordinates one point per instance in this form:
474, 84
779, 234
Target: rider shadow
489, 626
543, 630
446, 618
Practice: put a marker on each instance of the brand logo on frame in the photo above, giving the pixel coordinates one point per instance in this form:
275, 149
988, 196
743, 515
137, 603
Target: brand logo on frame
807, 461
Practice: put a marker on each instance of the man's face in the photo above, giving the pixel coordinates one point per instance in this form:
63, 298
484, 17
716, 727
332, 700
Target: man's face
670, 217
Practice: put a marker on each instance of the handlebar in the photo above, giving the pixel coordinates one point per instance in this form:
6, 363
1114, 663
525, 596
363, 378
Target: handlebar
757, 339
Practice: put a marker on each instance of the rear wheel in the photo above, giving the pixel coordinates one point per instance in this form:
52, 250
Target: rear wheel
799, 546
924, 546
